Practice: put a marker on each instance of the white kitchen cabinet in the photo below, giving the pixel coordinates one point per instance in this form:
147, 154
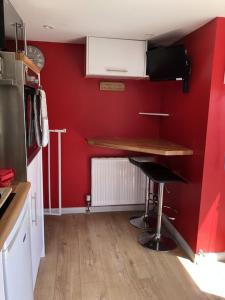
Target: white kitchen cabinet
17, 270
34, 176
107, 57
2, 291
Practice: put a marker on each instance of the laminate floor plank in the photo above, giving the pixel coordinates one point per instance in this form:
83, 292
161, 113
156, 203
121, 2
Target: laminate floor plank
45, 285
68, 262
97, 257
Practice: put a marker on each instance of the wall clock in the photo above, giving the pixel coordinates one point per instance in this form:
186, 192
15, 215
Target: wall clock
36, 55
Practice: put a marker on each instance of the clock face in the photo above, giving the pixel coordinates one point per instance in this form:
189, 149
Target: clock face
36, 56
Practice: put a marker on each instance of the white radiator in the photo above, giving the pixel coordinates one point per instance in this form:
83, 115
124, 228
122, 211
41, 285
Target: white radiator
115, 181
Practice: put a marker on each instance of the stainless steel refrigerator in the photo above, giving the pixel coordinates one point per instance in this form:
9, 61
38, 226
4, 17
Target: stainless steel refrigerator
17, 137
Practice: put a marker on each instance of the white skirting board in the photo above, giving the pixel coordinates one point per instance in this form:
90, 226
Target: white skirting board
94, 209
216, 256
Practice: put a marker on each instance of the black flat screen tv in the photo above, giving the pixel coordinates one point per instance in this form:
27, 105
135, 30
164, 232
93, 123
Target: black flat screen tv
168, 63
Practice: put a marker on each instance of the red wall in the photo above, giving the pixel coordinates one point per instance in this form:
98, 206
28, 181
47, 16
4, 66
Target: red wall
75, 103
196, 121
211, 231
187, 126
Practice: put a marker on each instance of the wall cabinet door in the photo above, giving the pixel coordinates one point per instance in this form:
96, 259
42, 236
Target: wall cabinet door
115, 57
34, 175
2, 291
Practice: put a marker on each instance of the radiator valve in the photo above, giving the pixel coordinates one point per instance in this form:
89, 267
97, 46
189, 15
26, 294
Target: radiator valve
88, 202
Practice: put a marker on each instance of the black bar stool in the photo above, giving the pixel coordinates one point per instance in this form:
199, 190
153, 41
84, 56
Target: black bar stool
142, 221
161, 175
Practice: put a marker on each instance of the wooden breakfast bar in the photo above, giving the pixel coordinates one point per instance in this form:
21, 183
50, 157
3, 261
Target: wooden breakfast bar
150, 146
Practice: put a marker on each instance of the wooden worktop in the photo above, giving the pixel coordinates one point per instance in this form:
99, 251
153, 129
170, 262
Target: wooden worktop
9, 218
150, 146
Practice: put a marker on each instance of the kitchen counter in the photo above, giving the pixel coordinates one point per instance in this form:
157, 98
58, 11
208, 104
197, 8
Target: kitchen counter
9, 218
150, 146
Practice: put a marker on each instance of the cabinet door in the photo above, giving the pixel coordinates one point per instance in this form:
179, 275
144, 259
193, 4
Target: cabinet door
17, 263
116, 57
2, 291
36, 213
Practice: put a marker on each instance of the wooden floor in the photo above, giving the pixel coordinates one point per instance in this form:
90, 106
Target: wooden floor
97, 256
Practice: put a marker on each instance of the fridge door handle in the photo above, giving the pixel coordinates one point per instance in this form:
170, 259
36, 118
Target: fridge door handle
24, 238
16, 36
14, 238
25, 38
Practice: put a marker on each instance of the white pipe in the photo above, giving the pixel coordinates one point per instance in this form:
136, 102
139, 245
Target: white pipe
59, 131
49, 178
59, 173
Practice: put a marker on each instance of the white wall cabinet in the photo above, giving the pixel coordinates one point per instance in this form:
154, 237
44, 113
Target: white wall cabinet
2, 291
107, 57
34, 176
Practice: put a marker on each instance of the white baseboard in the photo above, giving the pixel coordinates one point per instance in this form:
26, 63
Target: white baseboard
220, 256
94, 209
203, 257
66, 210
137, 207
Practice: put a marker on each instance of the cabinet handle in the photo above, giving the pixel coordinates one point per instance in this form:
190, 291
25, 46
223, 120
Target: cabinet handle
25, 38
16, 36
18, 26
116, 70
15, 236
24, 238
34, 198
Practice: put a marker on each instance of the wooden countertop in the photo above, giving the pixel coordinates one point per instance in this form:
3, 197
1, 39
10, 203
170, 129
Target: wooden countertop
9, 218
150, 146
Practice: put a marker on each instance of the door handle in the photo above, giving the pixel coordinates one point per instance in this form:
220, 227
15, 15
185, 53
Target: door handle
16, 36
24, 238
116, 70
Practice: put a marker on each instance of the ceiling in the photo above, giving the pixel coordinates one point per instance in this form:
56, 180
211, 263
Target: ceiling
162, 21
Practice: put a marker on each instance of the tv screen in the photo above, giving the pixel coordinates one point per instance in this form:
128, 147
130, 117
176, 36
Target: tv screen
167, 63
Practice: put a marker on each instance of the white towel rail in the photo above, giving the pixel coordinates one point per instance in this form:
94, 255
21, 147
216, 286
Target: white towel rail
59, 132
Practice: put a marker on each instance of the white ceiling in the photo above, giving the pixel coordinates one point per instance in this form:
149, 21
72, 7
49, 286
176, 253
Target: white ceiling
167, 20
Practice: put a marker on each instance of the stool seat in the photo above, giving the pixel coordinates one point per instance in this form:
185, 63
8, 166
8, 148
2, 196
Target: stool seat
140, 160
160, 174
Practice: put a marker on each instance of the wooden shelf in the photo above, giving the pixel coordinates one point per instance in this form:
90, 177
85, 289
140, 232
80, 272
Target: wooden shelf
154, 114
28, 63
151, 146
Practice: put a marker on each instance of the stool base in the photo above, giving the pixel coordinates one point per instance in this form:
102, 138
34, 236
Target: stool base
150, 241
140, 222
